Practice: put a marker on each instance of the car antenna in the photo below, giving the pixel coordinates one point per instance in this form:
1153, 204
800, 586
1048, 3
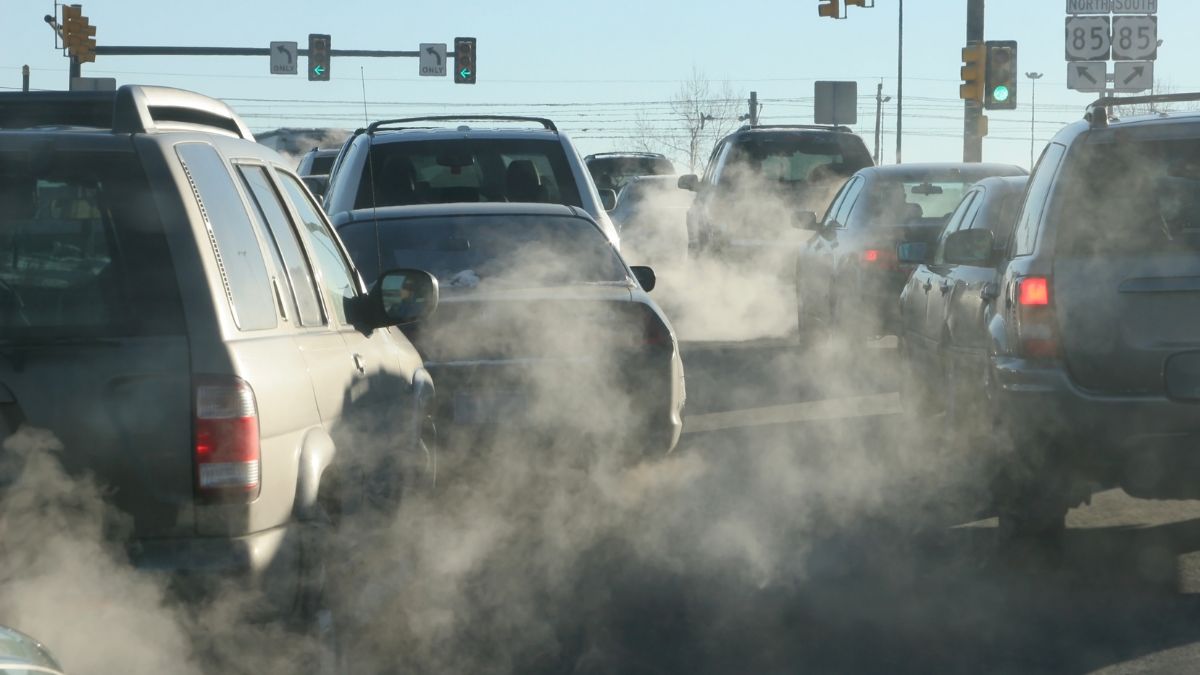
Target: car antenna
362, 78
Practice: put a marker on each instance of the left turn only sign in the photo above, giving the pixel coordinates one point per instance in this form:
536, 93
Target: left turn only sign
433, 59
283, 58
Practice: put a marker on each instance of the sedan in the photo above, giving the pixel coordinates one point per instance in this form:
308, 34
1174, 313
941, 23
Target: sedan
540, 327
651, 216
847, 275
943, 336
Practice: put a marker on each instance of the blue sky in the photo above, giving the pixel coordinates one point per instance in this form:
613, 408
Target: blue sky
609, 62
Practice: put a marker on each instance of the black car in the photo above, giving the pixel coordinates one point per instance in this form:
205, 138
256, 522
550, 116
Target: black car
1093, 366
540, 323
614, 170
847, 274
757, 178
943, 337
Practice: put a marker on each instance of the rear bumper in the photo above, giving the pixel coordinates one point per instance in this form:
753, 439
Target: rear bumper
1144, 443
199, 567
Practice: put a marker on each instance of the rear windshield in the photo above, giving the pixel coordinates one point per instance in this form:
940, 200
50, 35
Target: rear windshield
797, 159
464, 252
321, 164
1134, 197
468, 170
82, 251
919, 201
614, 173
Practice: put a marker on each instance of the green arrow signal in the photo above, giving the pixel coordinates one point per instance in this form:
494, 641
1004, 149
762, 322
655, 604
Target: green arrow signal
464, 73
319, 70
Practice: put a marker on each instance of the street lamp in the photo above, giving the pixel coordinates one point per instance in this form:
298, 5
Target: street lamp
1034, 77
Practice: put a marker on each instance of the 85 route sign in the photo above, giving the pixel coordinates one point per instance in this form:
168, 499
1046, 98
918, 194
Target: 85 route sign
1089, 38
1135, 38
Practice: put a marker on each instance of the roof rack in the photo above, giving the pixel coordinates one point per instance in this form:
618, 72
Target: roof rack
1098, 111
132, 109
826, 127
625, 154
376, 126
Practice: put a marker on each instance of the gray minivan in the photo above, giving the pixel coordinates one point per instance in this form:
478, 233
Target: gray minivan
176, 309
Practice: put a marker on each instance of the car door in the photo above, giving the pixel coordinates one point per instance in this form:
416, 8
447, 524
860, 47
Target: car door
814, 267
937, 281
838, 252
379, 396
698, 220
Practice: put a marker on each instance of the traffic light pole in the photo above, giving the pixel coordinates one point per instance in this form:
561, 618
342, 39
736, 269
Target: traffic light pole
137, 50
973, 110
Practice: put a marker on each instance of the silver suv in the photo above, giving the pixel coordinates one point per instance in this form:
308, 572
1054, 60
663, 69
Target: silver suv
177, 311
421, 160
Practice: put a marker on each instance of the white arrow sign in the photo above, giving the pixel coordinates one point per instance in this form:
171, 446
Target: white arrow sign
1132, 76
283, 58
433, 59
1086, 75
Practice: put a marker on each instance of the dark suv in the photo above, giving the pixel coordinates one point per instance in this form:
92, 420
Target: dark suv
759, 177
614, 170
1094, 321
177, 311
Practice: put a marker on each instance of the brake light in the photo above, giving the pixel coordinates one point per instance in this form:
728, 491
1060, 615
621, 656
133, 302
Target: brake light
227, 455
882, 258
654, 330
870, 255
1036, 328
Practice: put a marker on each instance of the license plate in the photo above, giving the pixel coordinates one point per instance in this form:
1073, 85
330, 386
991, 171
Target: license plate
486, 407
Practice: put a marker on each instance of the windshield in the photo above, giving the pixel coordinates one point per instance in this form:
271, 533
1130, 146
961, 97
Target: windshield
614, 173
468, 170
82, 251
810, 160
918, 201
466, 252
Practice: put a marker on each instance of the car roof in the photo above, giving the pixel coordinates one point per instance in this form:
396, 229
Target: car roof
790, 130
926, 170
498, 209
447, 133
1004, 183
622, 155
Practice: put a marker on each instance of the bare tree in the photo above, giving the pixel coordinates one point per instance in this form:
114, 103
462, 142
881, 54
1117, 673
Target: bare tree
701, 114
1154, 108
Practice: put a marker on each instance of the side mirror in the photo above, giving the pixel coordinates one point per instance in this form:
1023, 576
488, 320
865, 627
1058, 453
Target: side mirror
403, 296
317, 185
608, 199
645, 277
804, 220
689, 182
970, 247
912, 252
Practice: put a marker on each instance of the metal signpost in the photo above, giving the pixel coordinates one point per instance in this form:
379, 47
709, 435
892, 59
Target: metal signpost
1124, 31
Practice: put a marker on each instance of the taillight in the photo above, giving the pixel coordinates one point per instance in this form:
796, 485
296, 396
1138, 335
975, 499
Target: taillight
879, 258
227, 457
654, 330
1036, 330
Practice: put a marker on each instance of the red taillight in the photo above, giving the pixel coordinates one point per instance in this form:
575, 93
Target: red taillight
870, 255
879, 258
654, 332
228, 462
1036, 327
1034, 291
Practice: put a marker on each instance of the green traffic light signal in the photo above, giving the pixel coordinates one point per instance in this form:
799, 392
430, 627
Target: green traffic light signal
1000, 94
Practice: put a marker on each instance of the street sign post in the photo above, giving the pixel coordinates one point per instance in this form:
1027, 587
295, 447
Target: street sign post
433, 59
1089, 38
283, 58
1133, 76
1135, 38
835, 102
1087, 75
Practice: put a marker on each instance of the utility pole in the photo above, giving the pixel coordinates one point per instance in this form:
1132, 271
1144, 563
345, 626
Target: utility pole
973, 110
880, 99
1033, 78
25, 78
900, 83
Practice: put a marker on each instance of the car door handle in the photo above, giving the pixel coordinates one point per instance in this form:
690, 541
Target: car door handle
927, 285
990, 291
945, 286
360, 364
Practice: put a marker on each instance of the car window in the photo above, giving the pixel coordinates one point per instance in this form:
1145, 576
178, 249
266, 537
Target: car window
959, 220
847, 205
248, 285
1130, 197
337, 278
466, 251
468, 170
712, 170
915, 201
283, 238
1035, 199
614, 173
321, 164
839, 198
82, 250
1001, 215
788, 160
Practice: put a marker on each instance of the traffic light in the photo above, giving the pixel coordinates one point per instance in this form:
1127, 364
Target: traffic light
318, 57
78, 35
464, 60
830, 8
1001, 90
860, 3
972, 71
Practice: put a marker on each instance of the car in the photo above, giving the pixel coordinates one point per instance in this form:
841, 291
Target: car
943, 336
317, 162
1093, 362
21, 655
757, 178
177, 311
651, 215
614, 170
421, 160
541, 325
847, 274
